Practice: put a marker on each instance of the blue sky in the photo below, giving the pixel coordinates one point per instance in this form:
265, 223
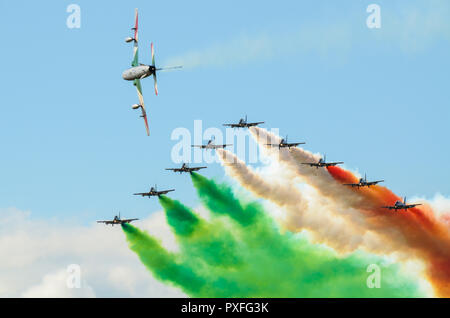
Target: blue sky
72, 148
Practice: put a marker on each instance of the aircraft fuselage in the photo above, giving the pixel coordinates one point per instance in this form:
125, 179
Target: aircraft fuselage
138, 72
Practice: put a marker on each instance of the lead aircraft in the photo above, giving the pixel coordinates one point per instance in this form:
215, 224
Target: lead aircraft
139, 71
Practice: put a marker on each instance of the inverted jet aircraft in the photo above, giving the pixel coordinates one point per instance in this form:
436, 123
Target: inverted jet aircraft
363, 183
139, 71
211, 145
285, 144
153, 192
399, 205
322, 163
117, 221
244, 124
185, 168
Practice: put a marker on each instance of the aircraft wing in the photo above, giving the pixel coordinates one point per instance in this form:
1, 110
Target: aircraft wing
294, 144
137, 83
351, 184
374, 182
197, 168
333, 163
106, 222
230, 125
388, 207
135, 61
128, 220
199, 146
142, 193
311, 164
166, 191
173, 169
255, 124
410, 206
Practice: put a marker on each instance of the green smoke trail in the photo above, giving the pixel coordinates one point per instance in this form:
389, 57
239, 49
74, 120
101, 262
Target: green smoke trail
163, 264
180, 218
220, 199
196, 237
240, 252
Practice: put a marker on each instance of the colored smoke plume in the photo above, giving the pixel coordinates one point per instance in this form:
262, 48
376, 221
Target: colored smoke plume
418, 233
240, 252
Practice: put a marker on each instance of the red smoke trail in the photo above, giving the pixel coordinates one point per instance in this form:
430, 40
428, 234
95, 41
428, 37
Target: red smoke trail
419, 227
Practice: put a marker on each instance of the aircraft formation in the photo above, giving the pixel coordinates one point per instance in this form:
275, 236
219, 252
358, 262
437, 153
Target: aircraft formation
139, 71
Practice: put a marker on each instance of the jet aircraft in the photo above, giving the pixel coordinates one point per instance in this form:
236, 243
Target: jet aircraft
399, 205
153, 192
243, 123
322, 163
139, 71
211, 145
363, 183
185, 168
117, 221
285, 144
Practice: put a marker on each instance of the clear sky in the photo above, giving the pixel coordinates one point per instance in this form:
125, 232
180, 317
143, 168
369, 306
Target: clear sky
72, 147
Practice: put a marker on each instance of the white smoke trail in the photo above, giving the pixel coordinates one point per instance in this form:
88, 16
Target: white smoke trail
305, 210
353, 205
320, 179
337, 219
407, 237
440, 206
348, 204
282, 194
413, 27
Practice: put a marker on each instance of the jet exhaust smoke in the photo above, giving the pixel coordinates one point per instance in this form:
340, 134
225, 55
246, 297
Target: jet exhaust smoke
416, 233
303, 211
240, 252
